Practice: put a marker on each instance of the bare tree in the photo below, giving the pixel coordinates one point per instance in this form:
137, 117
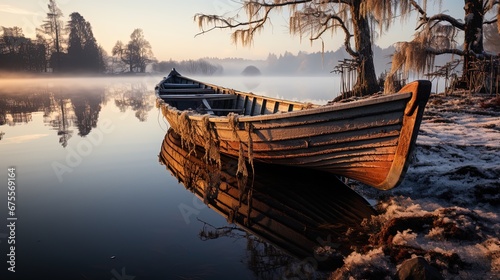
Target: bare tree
313, 18
140, 50
118, 59
52, 27
11, 39
437, 34
137, 53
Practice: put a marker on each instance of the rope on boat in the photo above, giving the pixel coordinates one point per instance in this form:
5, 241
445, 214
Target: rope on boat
249, 129
242, 172
186, 131
211, 146
233, 124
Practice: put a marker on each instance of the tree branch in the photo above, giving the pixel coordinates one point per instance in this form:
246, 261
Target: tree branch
490, 21
445, 51
246, 34
227, 22
484, 55
423, 19
417, 6
451, 20
341, 24
243, 34
487, 5
435, 18
283, 4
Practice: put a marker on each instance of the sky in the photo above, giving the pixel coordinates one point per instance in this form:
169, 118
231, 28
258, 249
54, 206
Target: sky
169, 26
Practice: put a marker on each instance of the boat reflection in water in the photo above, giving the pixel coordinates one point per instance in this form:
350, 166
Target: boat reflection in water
310, 215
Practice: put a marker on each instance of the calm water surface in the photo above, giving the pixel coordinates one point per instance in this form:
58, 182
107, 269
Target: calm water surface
92, 200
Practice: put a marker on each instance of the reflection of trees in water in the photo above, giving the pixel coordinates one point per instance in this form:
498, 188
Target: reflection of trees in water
74, 107
136, 96
71, 103
16, 108
77, 105
60, 116
87, 107
268, 262
3, 110
262, 258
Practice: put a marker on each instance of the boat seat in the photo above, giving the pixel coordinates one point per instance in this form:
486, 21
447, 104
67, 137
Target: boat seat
212, 110
198, 96
188, 90
208, 109
173, 85
204, 98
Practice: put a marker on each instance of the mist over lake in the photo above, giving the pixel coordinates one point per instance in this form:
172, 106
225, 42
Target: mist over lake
92, 199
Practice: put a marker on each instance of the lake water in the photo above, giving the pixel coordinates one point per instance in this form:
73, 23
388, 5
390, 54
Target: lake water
92, 200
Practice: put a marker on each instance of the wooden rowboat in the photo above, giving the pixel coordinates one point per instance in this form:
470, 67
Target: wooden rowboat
368, 140
302, 212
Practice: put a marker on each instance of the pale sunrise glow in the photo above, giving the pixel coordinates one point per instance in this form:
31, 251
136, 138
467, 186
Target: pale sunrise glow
5, 8
22, 138
171, 30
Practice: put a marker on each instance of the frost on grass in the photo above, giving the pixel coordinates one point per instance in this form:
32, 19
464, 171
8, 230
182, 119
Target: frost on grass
373, 264
447, 209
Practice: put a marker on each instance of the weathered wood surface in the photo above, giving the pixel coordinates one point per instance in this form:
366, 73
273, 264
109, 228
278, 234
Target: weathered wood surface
369, 140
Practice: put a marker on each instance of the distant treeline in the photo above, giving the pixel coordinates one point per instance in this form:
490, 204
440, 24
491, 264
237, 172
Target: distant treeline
69, 47
302, 63
18, 53
199, 66
51, 51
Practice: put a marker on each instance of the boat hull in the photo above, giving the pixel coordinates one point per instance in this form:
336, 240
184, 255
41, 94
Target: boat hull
370, 140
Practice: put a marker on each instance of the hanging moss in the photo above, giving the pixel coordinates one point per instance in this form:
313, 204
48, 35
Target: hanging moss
189, 130
242, 172
211, 144
249, 130
233, 124
186, 130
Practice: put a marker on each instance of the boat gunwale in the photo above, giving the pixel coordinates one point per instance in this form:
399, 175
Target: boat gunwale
316, 109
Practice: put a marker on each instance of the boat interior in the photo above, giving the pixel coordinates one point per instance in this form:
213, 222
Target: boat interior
183, 94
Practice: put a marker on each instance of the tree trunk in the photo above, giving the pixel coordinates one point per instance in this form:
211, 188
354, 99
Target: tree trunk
366, 82
473, 33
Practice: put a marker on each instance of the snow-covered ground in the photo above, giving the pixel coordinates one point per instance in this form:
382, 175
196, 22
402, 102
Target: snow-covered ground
447, 209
